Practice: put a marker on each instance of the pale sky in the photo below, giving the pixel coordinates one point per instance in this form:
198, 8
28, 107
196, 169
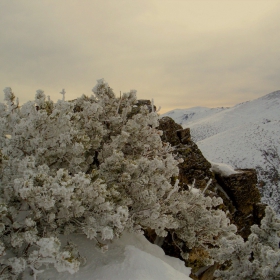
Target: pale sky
181, 53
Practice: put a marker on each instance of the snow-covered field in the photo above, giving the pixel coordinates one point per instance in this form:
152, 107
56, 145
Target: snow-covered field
244, 136
132, 257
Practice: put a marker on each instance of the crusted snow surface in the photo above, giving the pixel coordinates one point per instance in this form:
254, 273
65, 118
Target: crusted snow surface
132, 257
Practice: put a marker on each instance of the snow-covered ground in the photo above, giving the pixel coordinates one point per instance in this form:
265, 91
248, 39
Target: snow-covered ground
244, 136
132, 257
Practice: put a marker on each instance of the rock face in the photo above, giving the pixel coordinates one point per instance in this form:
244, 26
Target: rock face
169, 131
242, 191
195, 166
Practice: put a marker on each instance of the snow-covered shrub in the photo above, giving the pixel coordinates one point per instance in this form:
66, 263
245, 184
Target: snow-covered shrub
90, 166
258, 257
201, 225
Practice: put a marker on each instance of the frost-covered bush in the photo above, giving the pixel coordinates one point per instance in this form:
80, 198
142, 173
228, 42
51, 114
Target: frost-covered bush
200, 225
258, 257
90, 166
269, 176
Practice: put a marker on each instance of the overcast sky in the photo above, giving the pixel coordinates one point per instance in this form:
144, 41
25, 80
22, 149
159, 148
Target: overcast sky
182, 53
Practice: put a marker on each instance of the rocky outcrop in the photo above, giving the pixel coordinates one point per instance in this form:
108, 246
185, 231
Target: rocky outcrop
195, 166
239, 191
169, 131
242, 190
241, 198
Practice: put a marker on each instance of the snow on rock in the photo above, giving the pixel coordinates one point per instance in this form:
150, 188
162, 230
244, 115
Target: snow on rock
132, 257
222, 169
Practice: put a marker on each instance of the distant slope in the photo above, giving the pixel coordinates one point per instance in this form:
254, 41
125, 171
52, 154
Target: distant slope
244, 136
182, 116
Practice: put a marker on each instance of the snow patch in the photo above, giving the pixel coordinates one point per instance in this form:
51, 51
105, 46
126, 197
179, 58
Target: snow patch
132, 257
222, 169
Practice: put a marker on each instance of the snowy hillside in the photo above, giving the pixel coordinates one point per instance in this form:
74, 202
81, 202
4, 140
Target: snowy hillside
244, 136
194, 114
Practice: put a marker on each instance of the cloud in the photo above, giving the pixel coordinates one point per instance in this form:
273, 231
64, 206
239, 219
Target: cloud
181, 53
